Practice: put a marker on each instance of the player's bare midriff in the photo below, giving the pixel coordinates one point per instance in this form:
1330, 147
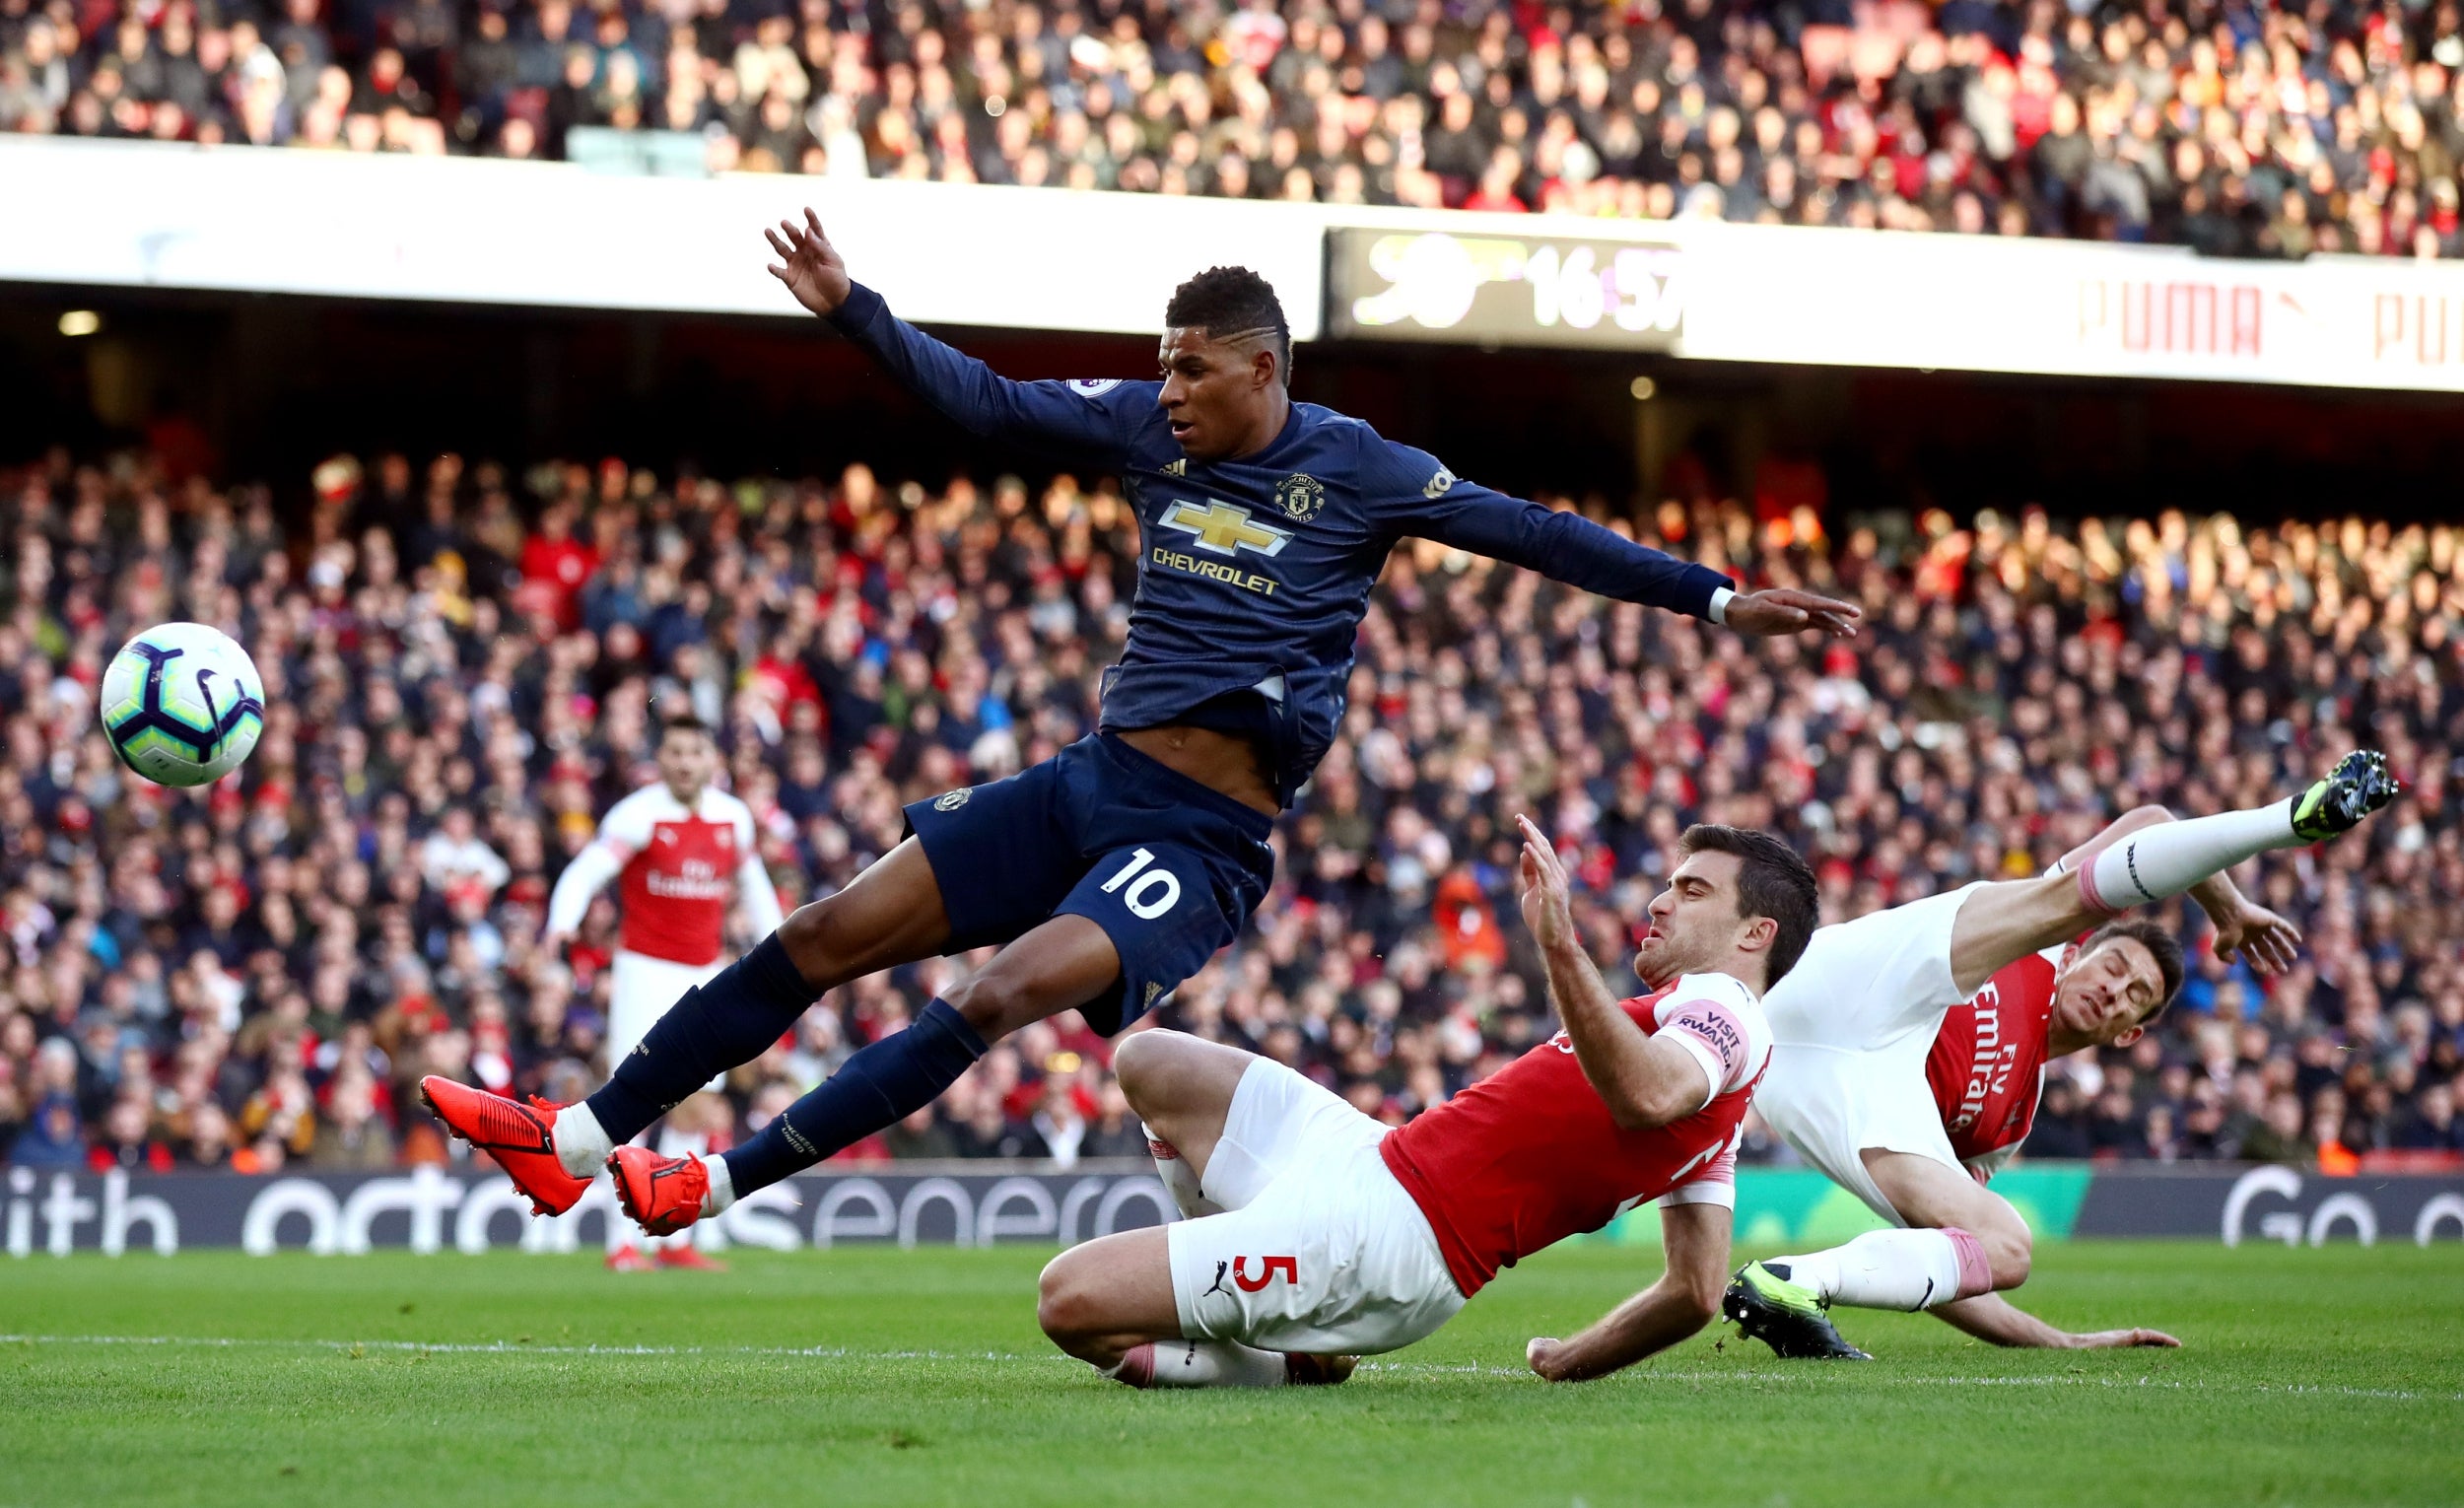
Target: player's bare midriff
1217, 761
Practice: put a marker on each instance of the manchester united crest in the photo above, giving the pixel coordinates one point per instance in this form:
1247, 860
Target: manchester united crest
1300, 497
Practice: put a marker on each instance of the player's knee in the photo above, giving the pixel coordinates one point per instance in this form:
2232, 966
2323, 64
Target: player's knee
994, 1004
1144, 1062
1067, 1303
2009, 1250
820, 936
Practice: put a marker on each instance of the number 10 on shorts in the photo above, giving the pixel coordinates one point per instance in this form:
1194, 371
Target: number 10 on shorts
1151, 892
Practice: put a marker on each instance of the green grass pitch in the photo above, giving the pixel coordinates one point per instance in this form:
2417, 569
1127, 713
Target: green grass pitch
886, 1377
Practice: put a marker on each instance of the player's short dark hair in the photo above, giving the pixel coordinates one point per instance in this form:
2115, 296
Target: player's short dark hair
2161, 945
1772, 880
683, 722
1224, 300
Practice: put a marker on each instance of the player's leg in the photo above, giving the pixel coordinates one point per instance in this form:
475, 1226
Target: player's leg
2157, 862
1323, 1256
1181, 1088
1120, 923
642, 990
1859, 1118
890, 915
1960, 1239
1059, 966
1110, 1303
2010, 918
893, 913
1908, 1269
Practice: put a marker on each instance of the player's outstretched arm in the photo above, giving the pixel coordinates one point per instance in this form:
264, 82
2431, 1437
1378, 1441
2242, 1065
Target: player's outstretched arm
1685, 1299
1991, 1318
1418, 496
1091, 421
1645, 1080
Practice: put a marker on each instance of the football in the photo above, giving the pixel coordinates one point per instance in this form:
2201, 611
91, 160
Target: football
182, 705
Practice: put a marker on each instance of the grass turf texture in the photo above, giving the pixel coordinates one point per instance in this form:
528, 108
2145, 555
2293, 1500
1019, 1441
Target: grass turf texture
2319, 1376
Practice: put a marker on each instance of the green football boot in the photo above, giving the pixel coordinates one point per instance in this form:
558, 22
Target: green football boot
1784, 1315
2359, 786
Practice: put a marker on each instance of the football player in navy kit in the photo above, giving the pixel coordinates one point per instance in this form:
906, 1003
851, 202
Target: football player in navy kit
1113, 871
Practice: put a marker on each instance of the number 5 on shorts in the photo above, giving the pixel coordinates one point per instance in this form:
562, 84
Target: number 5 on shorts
1155, 892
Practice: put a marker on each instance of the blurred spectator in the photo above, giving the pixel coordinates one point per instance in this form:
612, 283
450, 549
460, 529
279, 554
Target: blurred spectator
2267, 131
257, 972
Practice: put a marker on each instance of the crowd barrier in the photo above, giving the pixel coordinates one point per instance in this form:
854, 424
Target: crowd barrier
442, 1209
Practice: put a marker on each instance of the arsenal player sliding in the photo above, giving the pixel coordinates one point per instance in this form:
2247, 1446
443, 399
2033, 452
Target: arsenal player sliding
678, 850
1315, 1235
1911, 1045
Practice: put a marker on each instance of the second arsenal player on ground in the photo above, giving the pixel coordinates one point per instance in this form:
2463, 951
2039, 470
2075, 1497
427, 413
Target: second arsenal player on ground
678, 850
1911, 1043
1315, 1235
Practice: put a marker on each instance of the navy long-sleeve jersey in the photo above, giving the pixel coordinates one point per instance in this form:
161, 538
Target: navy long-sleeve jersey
1254, 573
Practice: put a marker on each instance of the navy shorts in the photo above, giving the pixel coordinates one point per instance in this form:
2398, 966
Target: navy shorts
1168, 868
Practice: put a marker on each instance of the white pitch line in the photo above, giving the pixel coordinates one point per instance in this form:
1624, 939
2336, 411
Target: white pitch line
1421, 1368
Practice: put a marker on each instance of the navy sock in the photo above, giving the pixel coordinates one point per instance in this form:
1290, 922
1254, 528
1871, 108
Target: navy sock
876, 1088
744, 1009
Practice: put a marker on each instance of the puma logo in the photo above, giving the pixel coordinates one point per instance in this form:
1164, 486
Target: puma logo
1221, 1268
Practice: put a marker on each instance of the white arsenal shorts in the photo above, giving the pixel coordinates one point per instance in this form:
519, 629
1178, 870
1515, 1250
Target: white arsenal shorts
1319, 1248
1852, 1025
640, 990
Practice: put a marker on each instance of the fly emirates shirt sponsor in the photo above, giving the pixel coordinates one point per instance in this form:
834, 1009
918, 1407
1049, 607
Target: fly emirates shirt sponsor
1987, 1067
679, 870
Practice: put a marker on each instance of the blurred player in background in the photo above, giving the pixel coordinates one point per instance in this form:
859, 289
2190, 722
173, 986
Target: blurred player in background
1113, 872
678, 850
1314, 1234
1911, 1045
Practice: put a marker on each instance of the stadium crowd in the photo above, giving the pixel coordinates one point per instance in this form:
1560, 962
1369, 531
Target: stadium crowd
2260, 129
464, 666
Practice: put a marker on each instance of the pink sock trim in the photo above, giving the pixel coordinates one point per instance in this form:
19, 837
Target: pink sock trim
1137, 1368
2088, 890
1976, 1274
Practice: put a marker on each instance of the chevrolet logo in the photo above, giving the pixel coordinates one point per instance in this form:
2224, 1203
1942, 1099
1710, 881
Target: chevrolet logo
1223, 529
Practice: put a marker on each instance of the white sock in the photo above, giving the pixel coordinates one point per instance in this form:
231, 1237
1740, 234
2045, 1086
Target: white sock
722, 1187
1896, 1270
2159, 863
583, 1146
1179, 1179
1200, 1364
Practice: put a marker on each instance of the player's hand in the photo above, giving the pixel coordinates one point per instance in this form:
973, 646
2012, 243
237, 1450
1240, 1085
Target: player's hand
1547, 898
2264, 939
1539, 1351
2122, 1339
554, 943
815, 273
1780, 610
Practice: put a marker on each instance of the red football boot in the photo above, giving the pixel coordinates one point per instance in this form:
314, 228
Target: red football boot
663, 1195
628, 1257
691, 1259
521, 1138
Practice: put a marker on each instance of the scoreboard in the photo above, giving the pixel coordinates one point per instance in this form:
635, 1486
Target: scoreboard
1506, 290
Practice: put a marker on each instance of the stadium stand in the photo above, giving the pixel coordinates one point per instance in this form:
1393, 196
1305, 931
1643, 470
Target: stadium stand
464, 666
2269, 130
